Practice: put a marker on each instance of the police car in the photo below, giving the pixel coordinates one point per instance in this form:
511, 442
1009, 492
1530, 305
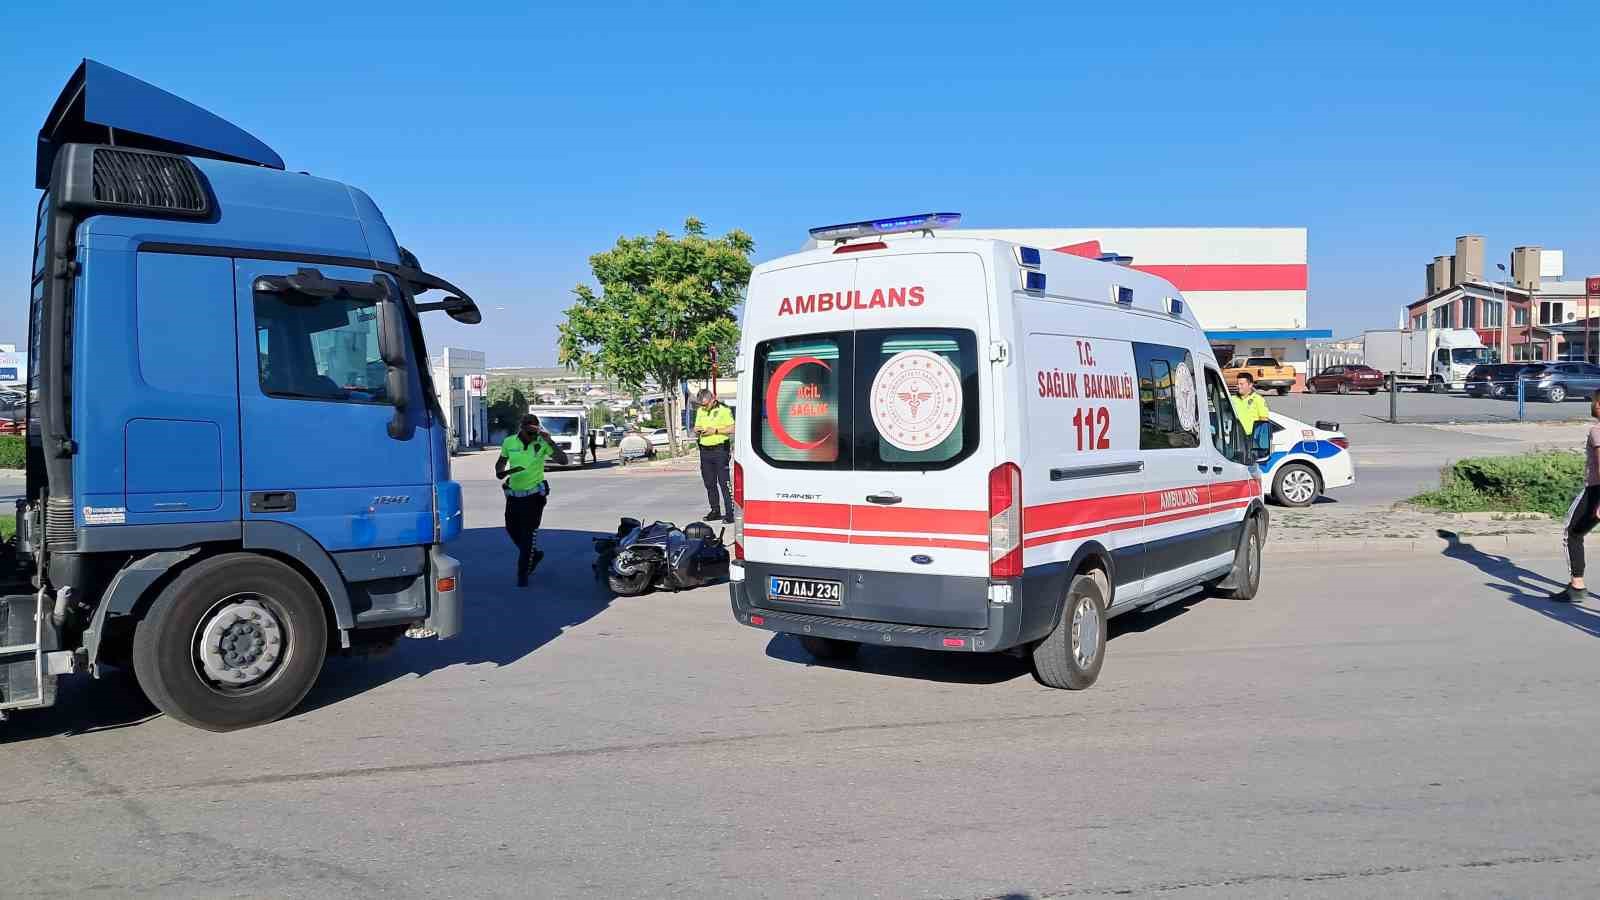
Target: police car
963, 444
1306, 460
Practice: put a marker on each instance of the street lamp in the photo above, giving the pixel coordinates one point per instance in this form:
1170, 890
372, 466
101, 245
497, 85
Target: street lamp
1505, 314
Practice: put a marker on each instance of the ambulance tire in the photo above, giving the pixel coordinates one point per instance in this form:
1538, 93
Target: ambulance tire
1070, 658
829, 648
1246, 577
272, 605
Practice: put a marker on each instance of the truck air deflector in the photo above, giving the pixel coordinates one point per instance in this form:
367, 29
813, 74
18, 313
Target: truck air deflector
100, 105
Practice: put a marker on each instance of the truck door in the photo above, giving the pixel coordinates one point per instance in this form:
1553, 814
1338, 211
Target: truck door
317, 452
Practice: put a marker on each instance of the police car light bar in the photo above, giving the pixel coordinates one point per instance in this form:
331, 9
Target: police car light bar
876, 227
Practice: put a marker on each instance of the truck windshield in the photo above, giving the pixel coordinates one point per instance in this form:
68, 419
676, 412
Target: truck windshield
560, 426
1472, 357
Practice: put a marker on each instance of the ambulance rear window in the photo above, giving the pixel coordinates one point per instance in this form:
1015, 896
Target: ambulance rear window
874, 400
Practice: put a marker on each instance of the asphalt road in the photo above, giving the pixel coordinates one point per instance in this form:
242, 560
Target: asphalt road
1412, 725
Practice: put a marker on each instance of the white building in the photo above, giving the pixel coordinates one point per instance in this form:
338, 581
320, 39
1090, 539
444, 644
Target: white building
13, 367
1247, 286
461, 379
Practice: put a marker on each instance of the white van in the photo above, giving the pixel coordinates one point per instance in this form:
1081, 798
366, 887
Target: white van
965, 444
569, 428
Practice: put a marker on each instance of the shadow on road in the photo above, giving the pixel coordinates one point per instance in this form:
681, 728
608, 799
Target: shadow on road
1521, 586
960, 668
504, 623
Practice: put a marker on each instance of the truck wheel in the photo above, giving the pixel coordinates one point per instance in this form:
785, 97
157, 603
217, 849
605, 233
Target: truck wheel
1437, 385
1246, 577
1296, 484
1071, 656
829, 648
235, 641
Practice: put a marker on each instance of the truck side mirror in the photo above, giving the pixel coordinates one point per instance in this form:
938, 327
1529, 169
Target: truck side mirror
392, 350
398, 382
391, 331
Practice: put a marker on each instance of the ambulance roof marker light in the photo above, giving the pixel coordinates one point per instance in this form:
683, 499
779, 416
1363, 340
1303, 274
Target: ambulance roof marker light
924, 222
1029, 257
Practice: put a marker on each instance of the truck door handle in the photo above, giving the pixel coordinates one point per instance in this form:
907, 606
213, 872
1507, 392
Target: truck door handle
888, 499
272, 501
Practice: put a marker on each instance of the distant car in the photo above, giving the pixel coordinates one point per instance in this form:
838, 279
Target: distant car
1556, 382
1267, 373
1344, 379
12, 426
659, 437
1305, 461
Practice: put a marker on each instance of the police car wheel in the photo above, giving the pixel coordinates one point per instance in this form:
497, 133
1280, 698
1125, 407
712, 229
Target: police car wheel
1070, 658
829, 648
1296, 484
234, 641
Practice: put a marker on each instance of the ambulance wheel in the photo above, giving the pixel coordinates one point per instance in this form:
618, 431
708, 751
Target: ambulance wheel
1071, 656
829, 648
1297, 485
235, 641
1246, 576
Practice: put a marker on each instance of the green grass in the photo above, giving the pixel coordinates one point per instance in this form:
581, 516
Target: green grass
1543, 482
13, 450
8, 527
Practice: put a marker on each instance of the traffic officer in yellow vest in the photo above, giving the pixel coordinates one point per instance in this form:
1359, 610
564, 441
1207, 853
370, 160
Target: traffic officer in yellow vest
1249, 406
713, 426
521, 467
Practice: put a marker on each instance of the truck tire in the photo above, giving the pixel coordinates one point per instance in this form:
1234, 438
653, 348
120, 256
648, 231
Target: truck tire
1437, 385
1246, 577
1297, 485
234, 641
829, 648
1070, 658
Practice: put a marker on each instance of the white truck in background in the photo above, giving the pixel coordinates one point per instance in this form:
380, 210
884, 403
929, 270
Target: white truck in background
568, 426
1437, 359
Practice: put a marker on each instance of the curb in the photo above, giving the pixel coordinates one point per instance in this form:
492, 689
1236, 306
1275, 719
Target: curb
1434, 546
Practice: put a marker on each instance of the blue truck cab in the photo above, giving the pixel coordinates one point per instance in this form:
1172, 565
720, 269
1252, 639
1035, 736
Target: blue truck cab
236, 463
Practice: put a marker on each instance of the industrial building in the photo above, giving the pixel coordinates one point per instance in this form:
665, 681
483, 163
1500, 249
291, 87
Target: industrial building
1527, 312
1247, 286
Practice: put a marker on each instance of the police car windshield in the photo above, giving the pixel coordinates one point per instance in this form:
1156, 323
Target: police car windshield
559, 425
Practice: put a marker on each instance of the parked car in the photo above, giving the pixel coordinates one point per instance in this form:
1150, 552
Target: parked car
1306, 460
1269, 374
1344, 379
1493, 379
659, 437
1556, 382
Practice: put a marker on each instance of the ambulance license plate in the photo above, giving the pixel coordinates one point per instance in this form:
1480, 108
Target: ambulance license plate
804, 590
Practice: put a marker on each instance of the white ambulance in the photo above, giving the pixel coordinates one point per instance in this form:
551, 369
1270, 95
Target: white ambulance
964, 444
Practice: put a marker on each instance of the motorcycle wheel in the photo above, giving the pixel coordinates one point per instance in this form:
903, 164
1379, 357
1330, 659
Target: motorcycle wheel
629, 585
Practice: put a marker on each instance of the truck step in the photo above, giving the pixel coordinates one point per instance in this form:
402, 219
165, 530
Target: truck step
25, 642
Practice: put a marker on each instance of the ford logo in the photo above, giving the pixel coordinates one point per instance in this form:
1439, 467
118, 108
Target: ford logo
922, 559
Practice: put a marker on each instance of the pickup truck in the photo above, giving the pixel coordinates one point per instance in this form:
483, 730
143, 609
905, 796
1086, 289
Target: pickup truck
1268, 373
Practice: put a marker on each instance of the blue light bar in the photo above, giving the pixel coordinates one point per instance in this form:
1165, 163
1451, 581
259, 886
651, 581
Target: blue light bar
876, 227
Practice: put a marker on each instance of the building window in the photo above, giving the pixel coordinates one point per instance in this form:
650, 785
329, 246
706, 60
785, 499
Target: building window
1551, 312
1469, 313
1493, 314
458, 382
1519, 316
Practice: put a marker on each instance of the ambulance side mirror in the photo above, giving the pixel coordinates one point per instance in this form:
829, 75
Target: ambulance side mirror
1261, 441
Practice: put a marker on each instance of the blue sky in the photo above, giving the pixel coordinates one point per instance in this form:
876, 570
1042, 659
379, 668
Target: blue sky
507, 142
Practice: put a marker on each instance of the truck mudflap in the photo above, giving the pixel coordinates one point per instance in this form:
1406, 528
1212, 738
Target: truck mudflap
444, 596
1005, 628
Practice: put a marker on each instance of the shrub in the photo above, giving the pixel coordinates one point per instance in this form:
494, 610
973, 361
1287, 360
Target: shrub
13, 451
1531, 482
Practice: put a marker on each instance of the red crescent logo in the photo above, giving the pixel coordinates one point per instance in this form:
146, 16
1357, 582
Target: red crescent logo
772, 403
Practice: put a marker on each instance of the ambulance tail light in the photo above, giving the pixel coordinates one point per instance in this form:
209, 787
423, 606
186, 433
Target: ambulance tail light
738, 511
1005, 521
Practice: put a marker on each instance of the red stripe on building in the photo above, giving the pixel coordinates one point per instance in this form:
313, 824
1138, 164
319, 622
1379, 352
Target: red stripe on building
1284, 277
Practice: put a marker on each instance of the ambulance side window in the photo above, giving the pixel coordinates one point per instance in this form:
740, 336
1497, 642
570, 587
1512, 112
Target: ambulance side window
1166, 392
796, 416
1226, 432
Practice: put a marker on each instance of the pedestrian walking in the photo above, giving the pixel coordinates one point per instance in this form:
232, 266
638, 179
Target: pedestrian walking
1583, 514
713, 426
1249, 406
521, 467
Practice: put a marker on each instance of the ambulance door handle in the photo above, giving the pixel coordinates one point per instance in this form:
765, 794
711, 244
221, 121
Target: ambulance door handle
1203, 468
888, 499
1216, 470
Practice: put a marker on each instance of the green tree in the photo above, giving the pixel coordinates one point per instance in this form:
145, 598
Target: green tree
599, 415
663, 303
507, 405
